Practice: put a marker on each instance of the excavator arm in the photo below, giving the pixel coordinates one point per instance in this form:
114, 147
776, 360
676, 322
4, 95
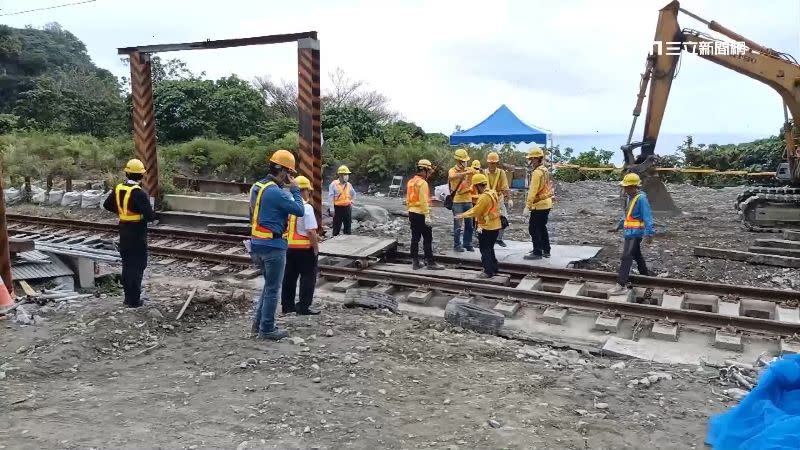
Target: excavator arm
763, 64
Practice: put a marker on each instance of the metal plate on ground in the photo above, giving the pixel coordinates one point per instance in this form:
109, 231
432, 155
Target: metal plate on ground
353, 246
561, 255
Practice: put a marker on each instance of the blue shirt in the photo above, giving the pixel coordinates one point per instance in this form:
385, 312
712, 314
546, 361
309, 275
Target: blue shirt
641, 211
273, 213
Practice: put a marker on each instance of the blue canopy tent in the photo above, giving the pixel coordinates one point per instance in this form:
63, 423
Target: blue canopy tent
502, 127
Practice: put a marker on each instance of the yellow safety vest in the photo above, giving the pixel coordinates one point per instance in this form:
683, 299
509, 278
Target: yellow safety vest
257, 230
546, 189
632, 223
124, 213
492, 214
293, 238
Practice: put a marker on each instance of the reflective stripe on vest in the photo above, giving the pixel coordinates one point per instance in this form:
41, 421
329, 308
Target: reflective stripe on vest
493, 186
546, 188
257, 230
630, 222
293, 238
343, 197
492, 213
124, 213
412, 192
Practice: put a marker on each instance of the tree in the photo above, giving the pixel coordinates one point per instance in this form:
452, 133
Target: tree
593, 158
346, 92
171, 69
362, 123
280, 97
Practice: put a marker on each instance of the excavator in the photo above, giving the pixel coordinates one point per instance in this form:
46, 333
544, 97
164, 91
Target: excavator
767, 209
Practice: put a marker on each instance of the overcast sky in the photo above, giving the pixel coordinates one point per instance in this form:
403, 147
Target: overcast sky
570, 66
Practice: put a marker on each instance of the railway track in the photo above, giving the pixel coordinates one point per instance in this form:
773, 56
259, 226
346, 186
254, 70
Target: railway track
715, 305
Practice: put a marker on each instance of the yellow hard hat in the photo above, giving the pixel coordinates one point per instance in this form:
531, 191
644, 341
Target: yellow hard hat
283, 158
631, 179
493, 157
461, 155
303, 182
134, 166
479, 178
535, 152
424, 163
476, 164
343, 170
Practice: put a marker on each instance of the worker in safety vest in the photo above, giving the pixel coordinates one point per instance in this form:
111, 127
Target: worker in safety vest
538, 204
459, 180
341, 196
301, 257
638, 224
418, 202
498, 182
487, 213
270, 207
132, 205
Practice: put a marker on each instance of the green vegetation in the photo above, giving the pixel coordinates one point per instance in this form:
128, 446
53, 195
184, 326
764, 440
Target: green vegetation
63, 117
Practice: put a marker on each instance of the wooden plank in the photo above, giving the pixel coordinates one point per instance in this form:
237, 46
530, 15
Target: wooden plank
794, 253
778, 243
353, 246
186, 304
182, 245
450, 274
16, 245
29, 291
749, 257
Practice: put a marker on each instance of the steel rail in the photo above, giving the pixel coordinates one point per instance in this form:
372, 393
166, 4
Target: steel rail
652, 312
693, 286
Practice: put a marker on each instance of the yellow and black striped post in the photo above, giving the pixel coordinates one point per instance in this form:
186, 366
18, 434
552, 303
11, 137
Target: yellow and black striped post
144, 125
308, 93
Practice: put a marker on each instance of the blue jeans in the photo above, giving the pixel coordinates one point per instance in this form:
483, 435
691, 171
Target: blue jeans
466, 224
273, 262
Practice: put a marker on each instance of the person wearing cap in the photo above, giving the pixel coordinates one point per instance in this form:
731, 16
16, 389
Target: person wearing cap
487, 213
132, 205
498, 182
637, 224
418, 203
341, 196
539, 203
301, 256
270, 207
459, 180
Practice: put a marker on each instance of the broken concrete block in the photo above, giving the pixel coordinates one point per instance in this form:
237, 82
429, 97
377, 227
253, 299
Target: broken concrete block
665, 331
384, 289
555, 315
728, 341
249, 274
789, 346
672, 301
344, 285
220, 269
166, 261
420, 297
607, 323
575, 289
508, 309
786, 314
530, 283
729, 308
625, 297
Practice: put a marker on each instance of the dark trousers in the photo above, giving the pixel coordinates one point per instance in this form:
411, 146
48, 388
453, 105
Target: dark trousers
134, 261
300, 263
420, 230
342, 215
537, 227
632, 250
486, 241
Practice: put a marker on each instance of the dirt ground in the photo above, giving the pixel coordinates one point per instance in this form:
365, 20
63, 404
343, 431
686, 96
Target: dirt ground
95, 375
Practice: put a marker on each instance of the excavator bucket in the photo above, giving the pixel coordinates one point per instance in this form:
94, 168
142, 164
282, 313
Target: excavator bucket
660, 201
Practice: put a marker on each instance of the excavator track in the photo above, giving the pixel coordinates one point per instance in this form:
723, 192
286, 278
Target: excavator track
751, 200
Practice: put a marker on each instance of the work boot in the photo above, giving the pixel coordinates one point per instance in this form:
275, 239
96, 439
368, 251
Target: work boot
501, 243
532, 256
546, 255
431, 265
415, 264
617, 290
470, 249
275, 335
484, 276
459, 249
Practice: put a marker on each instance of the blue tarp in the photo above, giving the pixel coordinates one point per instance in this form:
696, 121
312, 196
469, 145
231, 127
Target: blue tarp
502, 127
768, 418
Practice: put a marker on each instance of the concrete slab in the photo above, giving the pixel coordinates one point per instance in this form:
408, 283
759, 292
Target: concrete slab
344, 285
702, 302
508, 309
420, 297
729, 308
196, 219
451, 274
625, 297
562, 255
791, 235
530, 283
606, 323
786, 314
354, 246
673, 301
728, 341
665, 331
574, 289
554, 315
387, 289
789, 347
208, 205
249, 274
220, 269
84, 269
166, 261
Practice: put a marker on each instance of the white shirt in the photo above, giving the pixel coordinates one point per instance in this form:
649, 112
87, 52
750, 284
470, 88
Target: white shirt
307, 222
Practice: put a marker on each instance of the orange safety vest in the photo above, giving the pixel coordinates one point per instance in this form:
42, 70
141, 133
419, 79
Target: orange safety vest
546, 189
630, 222
464, 186
343, 198
257, 230
293, 238
493, 213
412, 192
124, 213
